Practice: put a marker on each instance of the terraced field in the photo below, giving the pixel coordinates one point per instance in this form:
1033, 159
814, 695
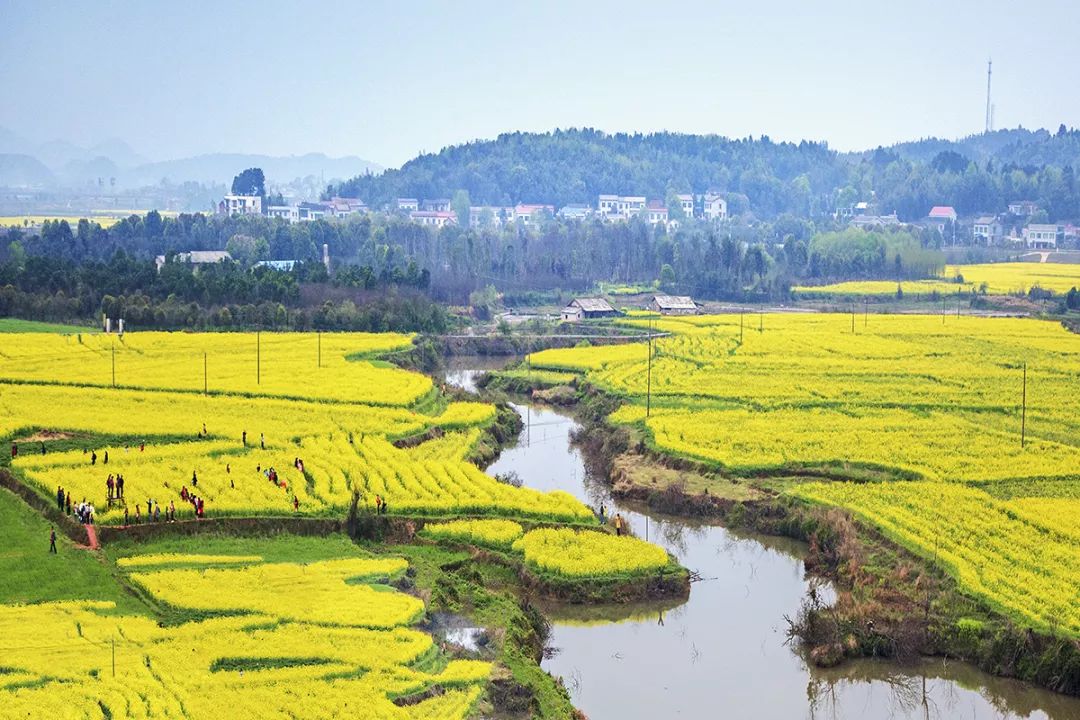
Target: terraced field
931, 409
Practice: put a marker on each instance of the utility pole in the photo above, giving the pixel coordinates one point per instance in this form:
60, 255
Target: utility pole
1023, 412
320, 347
648, 382
204, 382
989, 112
114, 364
258, 358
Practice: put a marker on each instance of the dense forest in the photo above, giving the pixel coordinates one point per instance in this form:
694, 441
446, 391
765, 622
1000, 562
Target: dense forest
760, 177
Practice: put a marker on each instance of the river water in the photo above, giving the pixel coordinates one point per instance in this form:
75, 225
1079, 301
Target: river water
722, 653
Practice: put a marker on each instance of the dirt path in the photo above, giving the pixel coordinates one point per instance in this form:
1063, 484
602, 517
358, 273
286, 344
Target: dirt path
91, 538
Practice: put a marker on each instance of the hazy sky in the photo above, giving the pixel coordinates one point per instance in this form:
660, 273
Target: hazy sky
387, 80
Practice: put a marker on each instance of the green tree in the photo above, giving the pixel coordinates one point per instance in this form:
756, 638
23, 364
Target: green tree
667, 276
460, 205
247, 250
250, 182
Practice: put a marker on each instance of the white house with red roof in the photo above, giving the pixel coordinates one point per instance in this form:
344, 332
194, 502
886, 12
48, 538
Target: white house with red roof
941, 217
529, 214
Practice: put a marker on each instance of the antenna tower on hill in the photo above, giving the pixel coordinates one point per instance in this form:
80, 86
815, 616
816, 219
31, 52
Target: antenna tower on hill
989, 110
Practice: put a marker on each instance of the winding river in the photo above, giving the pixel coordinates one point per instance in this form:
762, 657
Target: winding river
722, 653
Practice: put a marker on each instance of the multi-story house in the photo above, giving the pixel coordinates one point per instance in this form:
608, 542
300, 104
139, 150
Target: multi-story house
242, 205
1038, 236
714, 207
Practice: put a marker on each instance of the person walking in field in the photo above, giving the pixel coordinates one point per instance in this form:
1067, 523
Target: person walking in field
68, 503
243, 438
138, 515
14, 451
109, 489
93, 458
125, 515
194, 479
106, 460
60, 498
52, 540
42, 447
172, 511
119, 486
618, 524
295, 504
262, 441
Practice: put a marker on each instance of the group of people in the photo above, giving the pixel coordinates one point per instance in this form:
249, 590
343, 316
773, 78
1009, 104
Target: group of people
197, 503
84, 512
380, 505
114, 488
243, 439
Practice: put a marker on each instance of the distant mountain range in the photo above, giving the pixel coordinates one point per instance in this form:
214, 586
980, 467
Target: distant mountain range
62, 164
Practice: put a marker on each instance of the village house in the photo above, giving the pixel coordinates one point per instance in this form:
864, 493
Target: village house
874, 221
986, 230
489, 216
288, 213
587, 309
714, 207
1039, 236
575, 211
529, 214
1023, 208
941, 218
407, 204
433, 218
673, 305
656, 213
241, 205
620, 207
437, 205
686, 202
195, 257
309, 211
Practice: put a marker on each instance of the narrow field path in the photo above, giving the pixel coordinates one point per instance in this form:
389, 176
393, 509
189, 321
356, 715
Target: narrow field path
91, 538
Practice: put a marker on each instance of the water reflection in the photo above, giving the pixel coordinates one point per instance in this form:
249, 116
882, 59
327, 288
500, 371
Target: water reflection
723, 653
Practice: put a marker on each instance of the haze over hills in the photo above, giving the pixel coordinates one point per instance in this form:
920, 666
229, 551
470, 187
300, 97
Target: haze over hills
59, 163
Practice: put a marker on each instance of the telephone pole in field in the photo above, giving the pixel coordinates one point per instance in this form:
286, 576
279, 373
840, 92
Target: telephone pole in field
1023, 412
258, 358
648, 382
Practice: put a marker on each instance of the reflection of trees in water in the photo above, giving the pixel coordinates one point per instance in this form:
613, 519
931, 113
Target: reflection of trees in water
932, 689
909, 697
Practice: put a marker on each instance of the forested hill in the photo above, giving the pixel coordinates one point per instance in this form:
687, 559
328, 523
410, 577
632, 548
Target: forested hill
574, 166
977, 174
1018, 146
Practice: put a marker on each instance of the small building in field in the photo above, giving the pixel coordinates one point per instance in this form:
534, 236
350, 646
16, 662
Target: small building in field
433, 218
1023, 208
714, 207
673, 305
288, 213
587, 309
656, 213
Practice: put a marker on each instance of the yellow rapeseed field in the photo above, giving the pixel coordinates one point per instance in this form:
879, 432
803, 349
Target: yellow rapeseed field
314, 435
937, 403
310, 641
999, 279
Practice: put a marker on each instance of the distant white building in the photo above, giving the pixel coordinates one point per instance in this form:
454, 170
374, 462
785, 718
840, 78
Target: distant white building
489, 216
284, 265
433, 219
941, 217
1041, 237
289, 213
986, 230
242, 205
437, 205
529, 214
620, 207
865, 221
314, 211
1023, 208
407, 204
575, 211
714, 207
686, 202
656, 213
